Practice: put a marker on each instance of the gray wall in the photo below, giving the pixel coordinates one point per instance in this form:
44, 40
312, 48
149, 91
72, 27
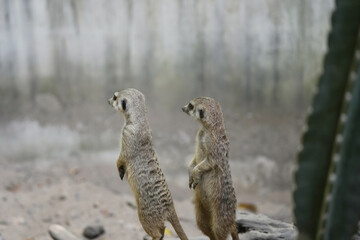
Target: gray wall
250, 53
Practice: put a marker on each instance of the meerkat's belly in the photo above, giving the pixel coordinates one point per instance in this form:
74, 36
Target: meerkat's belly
152, 195
208, 187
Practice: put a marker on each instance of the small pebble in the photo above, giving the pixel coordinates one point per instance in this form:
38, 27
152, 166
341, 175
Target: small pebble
62, 198
131, 205
19, 221
74, 171
47, 220
4, 223
106, 213
58, 232
93, 231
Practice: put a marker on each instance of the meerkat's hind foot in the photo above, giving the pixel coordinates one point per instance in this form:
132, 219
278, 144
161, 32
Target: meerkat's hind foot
159, 235
158, 238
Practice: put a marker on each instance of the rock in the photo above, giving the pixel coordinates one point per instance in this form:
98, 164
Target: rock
93, 231
58, 232
131, 205
256, 226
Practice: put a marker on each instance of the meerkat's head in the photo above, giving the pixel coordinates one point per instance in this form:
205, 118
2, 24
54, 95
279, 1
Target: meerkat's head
205, 110
130, 102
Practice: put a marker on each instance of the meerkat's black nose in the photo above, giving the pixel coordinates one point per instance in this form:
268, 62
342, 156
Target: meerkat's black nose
184, 109
109, 101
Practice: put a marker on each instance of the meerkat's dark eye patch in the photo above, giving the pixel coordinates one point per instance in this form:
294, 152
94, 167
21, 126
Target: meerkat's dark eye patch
201, 113
190, 106
114, 97
123, 104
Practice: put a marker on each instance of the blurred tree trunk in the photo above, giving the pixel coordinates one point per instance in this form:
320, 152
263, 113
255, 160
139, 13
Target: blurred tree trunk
248, 73
127, 75
148, 77
276, 72
60, 79
248, 45
200, 56
111, 65
74, 10
30, 48
11, 96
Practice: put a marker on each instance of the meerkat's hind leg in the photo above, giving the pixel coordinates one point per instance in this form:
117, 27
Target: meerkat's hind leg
235, 234
203, 220
222, 230
220, 234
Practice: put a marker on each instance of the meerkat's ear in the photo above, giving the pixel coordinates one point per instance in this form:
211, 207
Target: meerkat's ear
124, 104
190, 106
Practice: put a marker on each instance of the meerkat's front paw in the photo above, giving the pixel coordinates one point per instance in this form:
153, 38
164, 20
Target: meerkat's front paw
191, 181
121, 170
195, 183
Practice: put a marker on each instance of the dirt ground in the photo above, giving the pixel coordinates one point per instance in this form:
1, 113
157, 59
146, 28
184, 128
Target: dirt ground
52, 173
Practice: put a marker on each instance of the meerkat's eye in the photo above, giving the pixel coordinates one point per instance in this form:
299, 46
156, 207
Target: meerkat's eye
190, 106
114, 97
123, 104
201, 113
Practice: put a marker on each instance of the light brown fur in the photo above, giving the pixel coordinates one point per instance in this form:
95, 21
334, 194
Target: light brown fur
209, 172
138, 160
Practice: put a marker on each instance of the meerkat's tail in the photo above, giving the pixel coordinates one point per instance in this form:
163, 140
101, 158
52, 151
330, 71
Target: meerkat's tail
174, 220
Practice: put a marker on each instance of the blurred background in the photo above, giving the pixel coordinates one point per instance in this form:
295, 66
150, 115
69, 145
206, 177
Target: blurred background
61, 60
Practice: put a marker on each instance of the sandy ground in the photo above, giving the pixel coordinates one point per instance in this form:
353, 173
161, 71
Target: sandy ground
76, 188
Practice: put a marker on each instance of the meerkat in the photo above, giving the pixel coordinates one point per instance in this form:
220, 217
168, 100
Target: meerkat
137, 160
209, 172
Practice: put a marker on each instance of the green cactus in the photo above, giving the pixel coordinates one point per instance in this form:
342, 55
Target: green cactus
327, 194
